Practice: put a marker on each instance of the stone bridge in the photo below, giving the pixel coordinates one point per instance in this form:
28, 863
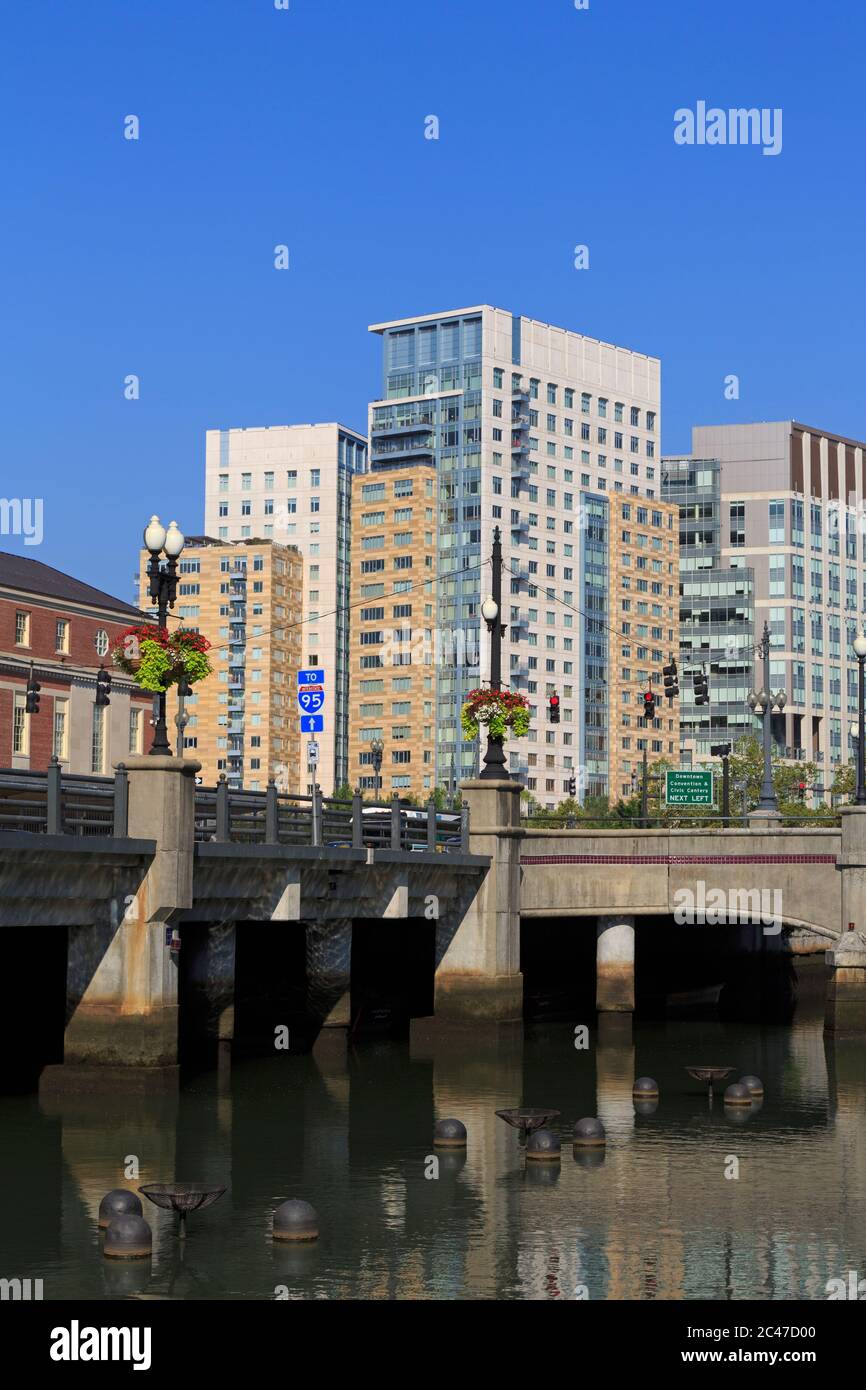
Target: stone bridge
789, 873
129, 898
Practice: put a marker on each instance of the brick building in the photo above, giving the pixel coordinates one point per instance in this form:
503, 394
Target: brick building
63, 627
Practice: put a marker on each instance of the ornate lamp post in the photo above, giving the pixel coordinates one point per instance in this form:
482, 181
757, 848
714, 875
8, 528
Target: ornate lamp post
859, 645
377, 748
165, 547
491, 612
763, 703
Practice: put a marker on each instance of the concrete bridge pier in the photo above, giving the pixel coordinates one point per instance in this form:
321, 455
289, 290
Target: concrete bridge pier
846, 985
209, 974
122, 1008
329, 973
478, 977
614, 980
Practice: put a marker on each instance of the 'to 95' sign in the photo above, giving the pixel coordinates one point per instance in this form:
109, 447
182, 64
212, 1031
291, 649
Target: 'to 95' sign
311, 690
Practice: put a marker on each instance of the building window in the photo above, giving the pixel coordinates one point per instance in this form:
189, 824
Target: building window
59, 739
100, 642
135, 730
20, 727
61, 635
22, 629
97, 740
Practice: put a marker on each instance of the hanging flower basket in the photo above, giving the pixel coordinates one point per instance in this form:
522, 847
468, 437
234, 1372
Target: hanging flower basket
157, 659
499, 711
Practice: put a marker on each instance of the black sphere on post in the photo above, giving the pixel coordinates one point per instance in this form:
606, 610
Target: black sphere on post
296, 1221
118, 1202
543, 1146
589, 1134
645, 1088
449, 1134
163, 591
738, 1094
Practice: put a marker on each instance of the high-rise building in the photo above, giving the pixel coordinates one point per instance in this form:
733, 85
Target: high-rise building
717, 612
392, 691
792, 512
293, 484
246, 598
536, 430
643, 635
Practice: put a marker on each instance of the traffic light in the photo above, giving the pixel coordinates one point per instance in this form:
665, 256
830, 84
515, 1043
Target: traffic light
184, 689
669, 672
553, 709
103, 686
649, 706
801, 788
31, 702
720, 750
702, 688
572, 786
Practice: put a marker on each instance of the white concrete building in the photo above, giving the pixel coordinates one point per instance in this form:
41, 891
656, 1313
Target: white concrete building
793, 510
292, 483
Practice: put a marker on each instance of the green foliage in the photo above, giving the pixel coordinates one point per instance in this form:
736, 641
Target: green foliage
156, 663
498, 711
844, 782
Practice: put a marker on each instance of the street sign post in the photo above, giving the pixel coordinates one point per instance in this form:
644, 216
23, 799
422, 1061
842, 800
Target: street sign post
688, 788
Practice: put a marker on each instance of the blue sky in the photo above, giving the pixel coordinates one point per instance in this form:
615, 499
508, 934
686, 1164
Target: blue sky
306, 127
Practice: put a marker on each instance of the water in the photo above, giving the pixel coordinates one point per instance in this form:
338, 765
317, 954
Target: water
351, 1132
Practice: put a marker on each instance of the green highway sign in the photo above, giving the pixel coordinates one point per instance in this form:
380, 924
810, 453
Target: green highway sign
688, 788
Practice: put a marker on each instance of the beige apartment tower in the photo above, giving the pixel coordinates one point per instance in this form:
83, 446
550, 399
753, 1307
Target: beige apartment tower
246, 597
392, 688
644, 605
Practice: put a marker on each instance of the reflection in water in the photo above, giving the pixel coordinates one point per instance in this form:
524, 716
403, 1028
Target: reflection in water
651, 1216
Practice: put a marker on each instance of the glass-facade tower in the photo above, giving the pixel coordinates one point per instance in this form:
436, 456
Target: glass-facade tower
434, 370
717, 611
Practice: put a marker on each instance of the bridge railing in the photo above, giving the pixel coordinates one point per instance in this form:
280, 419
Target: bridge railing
227, 816
685, 821
61, 803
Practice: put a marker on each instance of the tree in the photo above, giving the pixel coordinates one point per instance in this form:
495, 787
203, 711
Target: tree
844, 781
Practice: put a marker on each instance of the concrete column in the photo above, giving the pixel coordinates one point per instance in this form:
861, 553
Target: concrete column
122, 987
614, 978
846, 985
478, 975
329, 973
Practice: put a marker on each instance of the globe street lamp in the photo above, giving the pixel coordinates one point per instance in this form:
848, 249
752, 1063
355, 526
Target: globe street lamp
763, 704
491, 612
165, 548
377, 748
859, 645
